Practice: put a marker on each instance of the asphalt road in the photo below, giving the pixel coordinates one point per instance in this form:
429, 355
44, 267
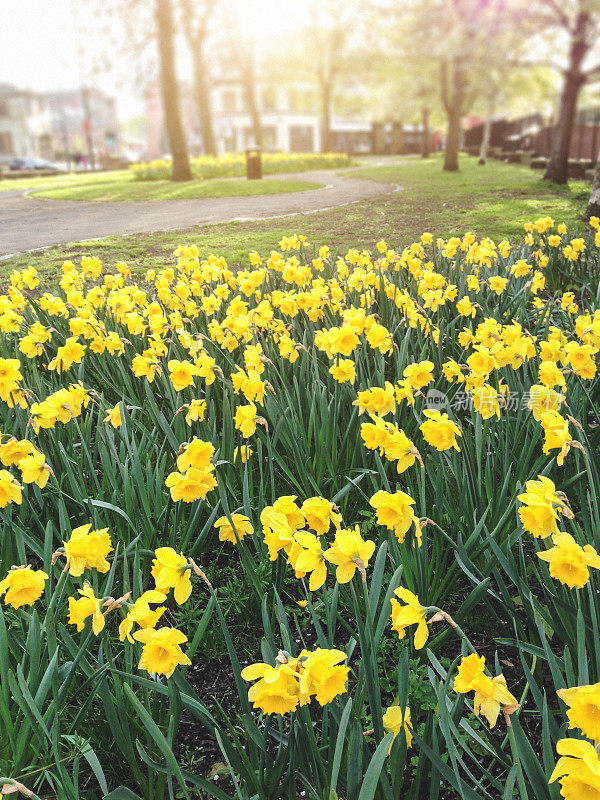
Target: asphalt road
27, 223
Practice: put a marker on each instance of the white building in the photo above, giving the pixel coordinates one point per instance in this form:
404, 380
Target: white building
25, 124
285, 128
74, 115
288, 119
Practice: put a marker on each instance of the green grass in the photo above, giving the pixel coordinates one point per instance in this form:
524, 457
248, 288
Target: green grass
129, 189
66, 179
121, 185
494, 200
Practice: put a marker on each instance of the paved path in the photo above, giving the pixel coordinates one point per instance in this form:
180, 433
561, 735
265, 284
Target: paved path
27, 223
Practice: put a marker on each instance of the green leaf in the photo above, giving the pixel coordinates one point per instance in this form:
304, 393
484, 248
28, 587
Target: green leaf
371, 779
339, 747
156, 735
122, 793
90, 756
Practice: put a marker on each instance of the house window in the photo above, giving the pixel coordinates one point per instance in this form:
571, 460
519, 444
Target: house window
269, 99
301, 139
229, 101
4, 108
6, 143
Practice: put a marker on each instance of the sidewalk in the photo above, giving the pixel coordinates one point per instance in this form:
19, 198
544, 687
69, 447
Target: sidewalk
28, 224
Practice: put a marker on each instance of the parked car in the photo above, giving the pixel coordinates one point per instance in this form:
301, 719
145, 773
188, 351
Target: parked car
33, 163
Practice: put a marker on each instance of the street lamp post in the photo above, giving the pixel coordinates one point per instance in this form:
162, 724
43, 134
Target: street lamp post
87, 124
85, 92
65, 135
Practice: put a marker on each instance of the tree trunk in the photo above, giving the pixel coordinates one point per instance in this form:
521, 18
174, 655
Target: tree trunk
253, 110
202, 93
593, 207
558, 165
170, 92
425, 141
325, 117
487, 131
452, 140
244, 58
453, 98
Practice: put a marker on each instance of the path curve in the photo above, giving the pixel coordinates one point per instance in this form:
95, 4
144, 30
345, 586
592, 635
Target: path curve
28, 223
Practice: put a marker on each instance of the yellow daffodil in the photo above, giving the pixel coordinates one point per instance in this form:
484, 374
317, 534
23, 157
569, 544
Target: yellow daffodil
87, 549
23, 586
322, 675
10, 489
182, 374
376, 400
308, 556
243, 453
140, 613
292, 682
394, 720
541, 505
170, 570
319, 514
88, 605
14, 451
578, 770
277, 691
34, 469
113, 416
343, 371
394, 511
569, 562
192, 485
419, 375
162, 652
349, 552
439, 431
196, 411
10, 376
245, 419
197, 454
411, 613
583, 704
542, 399
491, 694
233, 533
485, 401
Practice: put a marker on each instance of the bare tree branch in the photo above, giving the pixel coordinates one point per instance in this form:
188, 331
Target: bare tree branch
559, 13
444, 83
592, 74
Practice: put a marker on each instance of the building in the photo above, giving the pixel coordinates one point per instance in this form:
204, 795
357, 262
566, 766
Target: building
25, 128
157, 143
76, 115
55, 125
289, 121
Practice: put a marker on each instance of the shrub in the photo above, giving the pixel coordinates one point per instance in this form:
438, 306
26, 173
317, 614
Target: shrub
233, 165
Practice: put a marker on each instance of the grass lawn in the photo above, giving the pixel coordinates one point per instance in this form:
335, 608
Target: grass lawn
66, 179
166, 190
494, 200
121, 185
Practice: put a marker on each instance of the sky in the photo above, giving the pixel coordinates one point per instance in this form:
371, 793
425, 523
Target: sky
35, 44
38, 47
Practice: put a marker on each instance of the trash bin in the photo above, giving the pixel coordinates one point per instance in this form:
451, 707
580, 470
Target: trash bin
253, 163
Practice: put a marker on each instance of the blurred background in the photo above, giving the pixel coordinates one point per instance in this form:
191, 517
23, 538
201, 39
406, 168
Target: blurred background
88, 84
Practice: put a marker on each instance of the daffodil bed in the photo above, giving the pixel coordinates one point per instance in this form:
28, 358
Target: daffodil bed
233, 165
395, 455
